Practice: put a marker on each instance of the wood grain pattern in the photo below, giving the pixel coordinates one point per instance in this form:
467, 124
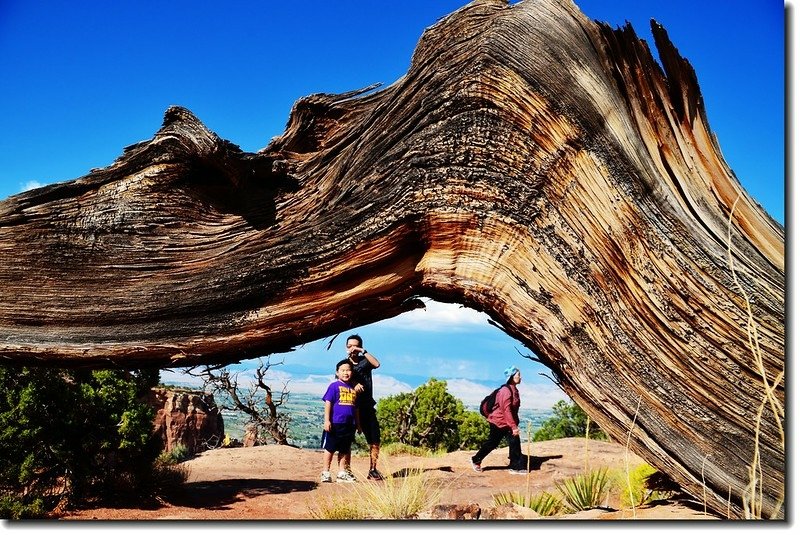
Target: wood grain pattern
532, 164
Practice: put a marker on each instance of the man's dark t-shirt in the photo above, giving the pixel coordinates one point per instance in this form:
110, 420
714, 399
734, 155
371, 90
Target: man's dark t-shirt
362, 373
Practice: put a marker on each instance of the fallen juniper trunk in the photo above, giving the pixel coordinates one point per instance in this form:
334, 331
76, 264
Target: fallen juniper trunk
532, 164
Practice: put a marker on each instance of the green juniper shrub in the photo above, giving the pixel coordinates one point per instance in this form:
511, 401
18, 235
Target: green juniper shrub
473, 430
568, 420
69, 437
430, 417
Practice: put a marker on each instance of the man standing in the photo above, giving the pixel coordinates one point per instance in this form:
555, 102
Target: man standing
363, 363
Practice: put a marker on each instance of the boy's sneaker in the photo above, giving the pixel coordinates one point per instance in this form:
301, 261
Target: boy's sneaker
325, 477
477, 467
517, 471
375, 475
345, 477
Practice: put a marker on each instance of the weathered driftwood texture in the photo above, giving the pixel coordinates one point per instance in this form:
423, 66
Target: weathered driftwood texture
532, 164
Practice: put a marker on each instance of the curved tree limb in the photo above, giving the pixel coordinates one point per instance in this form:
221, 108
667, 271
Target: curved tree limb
531, 164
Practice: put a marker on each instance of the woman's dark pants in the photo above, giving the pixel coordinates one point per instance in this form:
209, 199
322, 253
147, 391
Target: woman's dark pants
496, 434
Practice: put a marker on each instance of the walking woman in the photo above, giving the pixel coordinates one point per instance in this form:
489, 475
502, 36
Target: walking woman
504, 422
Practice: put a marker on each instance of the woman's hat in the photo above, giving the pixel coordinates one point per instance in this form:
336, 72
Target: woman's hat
511, 370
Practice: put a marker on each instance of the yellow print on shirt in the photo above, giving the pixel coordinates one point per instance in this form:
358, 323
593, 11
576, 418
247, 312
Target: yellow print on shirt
347, 396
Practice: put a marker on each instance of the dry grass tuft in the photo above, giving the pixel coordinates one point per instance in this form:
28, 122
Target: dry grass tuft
400, 497
395, 498
339, 507
628, 478
753, 498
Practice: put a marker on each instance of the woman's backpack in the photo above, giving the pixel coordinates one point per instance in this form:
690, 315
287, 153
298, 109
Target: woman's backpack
488, 403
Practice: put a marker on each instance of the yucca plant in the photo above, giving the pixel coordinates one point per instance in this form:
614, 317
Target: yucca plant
546, 504
584, 491
543, 503
511, 497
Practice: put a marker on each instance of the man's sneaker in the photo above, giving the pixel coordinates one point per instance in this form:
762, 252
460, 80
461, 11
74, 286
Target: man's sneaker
516, 471
325, 477
477, 467
375, 475
345, 477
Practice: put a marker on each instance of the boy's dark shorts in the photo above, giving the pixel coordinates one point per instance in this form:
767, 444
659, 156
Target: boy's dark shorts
369, 424
340, 438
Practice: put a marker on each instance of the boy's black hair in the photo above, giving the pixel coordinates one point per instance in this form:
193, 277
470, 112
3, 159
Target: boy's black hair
356, 337
343, 361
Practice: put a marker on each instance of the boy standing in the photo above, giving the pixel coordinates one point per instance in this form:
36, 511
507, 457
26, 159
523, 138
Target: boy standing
341, 423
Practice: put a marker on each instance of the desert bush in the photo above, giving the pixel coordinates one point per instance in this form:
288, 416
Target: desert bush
19, 508
397, 448
176, 455
167, 479
631, 487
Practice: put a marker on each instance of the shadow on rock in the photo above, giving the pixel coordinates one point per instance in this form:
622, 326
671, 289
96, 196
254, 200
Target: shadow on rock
531, 461
219, 494
405, 472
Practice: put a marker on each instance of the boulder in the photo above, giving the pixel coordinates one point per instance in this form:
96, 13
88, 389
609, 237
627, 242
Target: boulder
452, 512
187, 418
509, 511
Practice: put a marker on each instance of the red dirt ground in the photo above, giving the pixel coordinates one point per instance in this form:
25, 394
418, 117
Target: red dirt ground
281, 483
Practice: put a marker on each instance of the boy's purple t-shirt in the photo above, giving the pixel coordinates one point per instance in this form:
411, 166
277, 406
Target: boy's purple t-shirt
343, 397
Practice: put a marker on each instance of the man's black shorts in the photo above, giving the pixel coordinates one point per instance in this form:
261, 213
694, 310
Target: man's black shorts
369, 425
340, 438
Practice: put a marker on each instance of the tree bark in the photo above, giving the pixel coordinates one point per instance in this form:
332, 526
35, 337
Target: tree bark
532, 164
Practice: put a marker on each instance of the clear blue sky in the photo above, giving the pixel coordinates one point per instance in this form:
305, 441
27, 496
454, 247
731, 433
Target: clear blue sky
79, 81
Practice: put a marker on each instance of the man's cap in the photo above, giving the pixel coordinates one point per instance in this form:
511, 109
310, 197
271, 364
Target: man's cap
511, 370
